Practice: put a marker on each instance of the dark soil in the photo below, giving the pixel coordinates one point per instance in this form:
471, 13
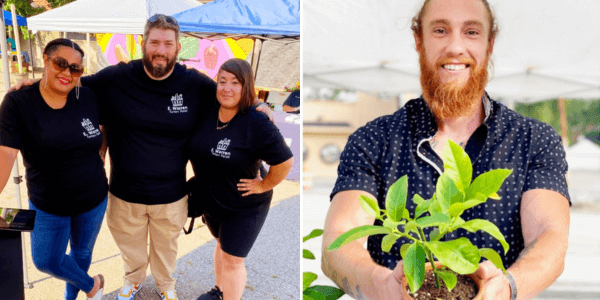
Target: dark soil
465, 289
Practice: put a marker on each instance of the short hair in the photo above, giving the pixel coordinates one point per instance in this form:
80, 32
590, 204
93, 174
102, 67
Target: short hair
417, 21
243, 72
161, 21
53, 45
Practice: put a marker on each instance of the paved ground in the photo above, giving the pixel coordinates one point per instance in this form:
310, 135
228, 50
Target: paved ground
580, 279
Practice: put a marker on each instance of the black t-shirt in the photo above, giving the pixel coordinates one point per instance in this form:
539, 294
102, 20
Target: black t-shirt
222, 157
64, 172
149, 123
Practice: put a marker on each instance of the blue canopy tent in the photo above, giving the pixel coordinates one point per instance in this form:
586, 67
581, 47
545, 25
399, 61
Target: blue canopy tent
263, 19
21, 21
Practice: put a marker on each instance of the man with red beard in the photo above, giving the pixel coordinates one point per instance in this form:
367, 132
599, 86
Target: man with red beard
454, 39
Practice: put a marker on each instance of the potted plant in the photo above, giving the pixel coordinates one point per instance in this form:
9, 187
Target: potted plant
454, 193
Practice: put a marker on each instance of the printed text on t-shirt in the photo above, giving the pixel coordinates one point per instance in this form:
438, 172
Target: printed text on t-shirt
177, 106
221, 147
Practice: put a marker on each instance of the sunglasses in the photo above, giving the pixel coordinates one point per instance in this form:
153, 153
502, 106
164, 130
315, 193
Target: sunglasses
61, 64
167, 18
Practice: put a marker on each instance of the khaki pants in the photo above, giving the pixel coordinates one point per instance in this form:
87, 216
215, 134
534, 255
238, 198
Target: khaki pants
130, 224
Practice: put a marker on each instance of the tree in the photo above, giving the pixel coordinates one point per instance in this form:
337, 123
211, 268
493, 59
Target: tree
23, 8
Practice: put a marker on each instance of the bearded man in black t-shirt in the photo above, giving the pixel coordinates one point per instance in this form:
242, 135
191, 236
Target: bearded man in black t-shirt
454, 40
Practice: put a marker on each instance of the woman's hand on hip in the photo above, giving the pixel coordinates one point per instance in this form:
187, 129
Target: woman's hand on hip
251, 186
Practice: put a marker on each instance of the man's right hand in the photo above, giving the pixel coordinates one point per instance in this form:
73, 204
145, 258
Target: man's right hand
20, 84
389, 282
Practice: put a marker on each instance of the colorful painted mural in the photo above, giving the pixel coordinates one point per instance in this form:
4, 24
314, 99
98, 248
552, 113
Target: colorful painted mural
201, 54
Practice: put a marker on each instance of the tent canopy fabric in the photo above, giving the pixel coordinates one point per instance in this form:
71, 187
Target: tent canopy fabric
107, 16
242, 17
21, 21
541, 52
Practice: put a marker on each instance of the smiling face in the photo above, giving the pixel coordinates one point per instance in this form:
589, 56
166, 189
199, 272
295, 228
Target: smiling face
454, 48
160, 51
61, 82
229, 90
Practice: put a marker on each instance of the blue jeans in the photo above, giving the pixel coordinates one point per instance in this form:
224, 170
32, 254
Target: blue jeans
49, 240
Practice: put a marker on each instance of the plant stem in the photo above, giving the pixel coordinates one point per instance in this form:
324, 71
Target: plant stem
430, 258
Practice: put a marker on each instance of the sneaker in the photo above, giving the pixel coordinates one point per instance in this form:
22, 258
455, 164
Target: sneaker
214, 294
168, 295
98, 294
129, 291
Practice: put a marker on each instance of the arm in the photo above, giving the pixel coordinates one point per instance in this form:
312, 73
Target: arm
545, 223
275, 176
288, 108
351, 267
104, 146
7, 160
264, 108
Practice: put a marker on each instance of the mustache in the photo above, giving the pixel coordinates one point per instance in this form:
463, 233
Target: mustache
159, 56
450, 60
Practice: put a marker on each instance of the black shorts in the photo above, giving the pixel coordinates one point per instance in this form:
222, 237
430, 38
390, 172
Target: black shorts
237, 235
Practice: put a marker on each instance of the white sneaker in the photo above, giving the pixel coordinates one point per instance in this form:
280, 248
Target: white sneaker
129, 291
168, 295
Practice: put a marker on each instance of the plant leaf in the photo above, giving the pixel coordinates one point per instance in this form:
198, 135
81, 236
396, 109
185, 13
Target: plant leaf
495, 196
403, 250
356, 233
414, 266
312, 295
395, 200
493, 256
330, 292
488, 183
307, 279
388, 241
417, 199
446, 192
411, 226
307, 254
313, 234
448, 277
459, 255
370, 206
433, 235
489, 227
457, 165
422, 207
458, 208
406, 214
435, 220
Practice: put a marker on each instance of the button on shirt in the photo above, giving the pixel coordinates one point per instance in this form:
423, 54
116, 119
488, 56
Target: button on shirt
392, 146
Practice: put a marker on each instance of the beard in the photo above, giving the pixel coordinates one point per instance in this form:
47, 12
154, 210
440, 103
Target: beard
158, 71
451, 99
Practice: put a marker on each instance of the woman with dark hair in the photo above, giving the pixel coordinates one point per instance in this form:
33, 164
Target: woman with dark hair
226, 153
56, 126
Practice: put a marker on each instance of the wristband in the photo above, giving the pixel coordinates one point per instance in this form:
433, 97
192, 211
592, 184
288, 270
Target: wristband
513, 286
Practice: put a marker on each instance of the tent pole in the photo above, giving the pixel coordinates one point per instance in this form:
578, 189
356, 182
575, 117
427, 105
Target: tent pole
31, 55
256, 55
15, 171
563, 122
13, 10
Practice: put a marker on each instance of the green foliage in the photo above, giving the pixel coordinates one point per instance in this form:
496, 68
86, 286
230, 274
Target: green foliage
454, 194
23, 8
58, 3
317, 292
583, 116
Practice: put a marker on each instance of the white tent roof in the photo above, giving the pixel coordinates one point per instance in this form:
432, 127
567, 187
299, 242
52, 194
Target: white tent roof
107, 16
584, 155
543, 51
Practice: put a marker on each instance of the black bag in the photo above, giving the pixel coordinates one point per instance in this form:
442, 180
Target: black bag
195, 207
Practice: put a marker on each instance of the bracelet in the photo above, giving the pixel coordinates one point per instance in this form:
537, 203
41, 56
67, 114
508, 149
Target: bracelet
513, 286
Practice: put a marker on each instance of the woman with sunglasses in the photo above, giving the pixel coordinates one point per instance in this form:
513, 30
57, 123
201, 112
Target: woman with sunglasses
56, 127
226, 153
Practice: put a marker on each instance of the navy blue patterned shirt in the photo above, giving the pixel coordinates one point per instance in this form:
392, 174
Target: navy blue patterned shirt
392, 146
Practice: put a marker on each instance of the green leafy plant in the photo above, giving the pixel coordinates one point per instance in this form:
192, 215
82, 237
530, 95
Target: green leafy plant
317, 292
454, 193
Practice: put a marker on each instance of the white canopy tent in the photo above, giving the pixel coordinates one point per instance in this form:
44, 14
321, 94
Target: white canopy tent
107, 16
544, 50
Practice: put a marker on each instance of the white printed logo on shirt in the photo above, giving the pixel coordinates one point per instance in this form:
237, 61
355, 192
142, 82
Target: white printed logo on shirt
91, 131
221, 147
177, 106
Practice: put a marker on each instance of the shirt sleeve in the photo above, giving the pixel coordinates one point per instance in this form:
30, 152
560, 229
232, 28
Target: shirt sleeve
267, 140
359, 167
10, 123
548, 167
